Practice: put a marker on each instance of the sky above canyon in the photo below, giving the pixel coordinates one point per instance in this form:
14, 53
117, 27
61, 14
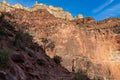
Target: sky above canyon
98, 9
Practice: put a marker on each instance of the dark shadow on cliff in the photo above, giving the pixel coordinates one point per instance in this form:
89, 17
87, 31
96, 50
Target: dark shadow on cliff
27, 60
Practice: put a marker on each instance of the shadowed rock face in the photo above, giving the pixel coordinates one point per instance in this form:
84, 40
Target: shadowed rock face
21, 58
94, 46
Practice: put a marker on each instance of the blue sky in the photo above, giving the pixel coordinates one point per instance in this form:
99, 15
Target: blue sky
98, 9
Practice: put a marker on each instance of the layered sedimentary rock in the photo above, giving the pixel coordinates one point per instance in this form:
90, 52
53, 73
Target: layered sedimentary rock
56, 11
5, 7
92, 47
21, 58
83, 44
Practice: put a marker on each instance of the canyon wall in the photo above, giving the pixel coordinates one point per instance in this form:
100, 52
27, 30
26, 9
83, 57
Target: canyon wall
92, 47
56, 11
23, 59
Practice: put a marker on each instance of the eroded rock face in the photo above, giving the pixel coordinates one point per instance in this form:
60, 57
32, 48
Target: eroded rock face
56, 11
24, 59
80, 21
94, 46
5, 7
79, 16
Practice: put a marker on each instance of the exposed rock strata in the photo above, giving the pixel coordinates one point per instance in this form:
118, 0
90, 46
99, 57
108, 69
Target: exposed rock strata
92, 45
22, 59
95, 46
56, 11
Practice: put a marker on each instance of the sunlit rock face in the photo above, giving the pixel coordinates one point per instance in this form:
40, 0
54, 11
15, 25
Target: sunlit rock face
20, 57
5, 7
80, 21
19, 6
93, 47
56, 11
79, 16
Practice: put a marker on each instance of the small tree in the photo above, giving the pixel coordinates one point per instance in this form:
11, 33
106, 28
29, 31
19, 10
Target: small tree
44, 41
80, 76
57, 59
51, 45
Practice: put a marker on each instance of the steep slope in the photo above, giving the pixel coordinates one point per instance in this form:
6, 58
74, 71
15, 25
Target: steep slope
88, 46
85, 45
56, 11
21, 58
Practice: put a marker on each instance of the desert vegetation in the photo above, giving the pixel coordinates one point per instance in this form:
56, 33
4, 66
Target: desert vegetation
57, 59
4, 57
46, 43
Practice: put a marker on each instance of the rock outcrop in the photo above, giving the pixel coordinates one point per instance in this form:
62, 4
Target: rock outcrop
19, 6
5, 7
80, 21
91, 44
79, 16
83, 44
56, 11
21, 58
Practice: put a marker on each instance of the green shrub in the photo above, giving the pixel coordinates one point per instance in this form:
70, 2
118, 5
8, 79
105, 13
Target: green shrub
44, 41
57, 59
4, 57
47, 43
51, 45
80, 76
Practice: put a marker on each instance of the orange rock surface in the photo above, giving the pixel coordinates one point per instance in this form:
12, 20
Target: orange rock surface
95, 46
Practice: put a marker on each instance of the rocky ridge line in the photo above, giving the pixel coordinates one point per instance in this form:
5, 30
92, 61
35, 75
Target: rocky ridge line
56, 11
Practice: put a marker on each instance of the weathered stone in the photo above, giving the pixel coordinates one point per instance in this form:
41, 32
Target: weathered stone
56, 11
79, 16
95, 46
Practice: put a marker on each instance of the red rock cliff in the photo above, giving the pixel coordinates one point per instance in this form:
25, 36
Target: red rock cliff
94, 46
